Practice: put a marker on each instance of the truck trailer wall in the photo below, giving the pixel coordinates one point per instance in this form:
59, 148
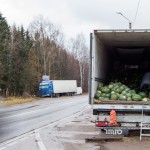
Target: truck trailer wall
64, 86
99, 65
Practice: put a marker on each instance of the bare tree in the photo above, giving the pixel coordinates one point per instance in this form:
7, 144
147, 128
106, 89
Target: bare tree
48, 37
80, 51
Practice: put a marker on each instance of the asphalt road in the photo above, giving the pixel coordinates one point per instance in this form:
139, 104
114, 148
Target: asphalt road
20, 119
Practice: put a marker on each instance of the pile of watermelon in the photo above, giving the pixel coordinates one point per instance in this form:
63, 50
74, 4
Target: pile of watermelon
119, 91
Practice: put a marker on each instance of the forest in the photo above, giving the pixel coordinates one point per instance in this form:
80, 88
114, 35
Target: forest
41, 49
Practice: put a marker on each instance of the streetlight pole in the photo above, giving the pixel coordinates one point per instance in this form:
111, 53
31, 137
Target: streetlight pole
130, 24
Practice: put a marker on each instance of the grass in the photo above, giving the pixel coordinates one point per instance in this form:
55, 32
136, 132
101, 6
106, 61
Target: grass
17, 100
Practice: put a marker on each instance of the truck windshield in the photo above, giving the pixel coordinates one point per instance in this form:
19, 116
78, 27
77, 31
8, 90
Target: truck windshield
43, 86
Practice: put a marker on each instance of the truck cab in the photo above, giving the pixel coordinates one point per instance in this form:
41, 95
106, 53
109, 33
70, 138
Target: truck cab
45, 88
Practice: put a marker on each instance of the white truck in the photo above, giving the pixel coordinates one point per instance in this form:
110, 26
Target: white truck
110, 51
57, 88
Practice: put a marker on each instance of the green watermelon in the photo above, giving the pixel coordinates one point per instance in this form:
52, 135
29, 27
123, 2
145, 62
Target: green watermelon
122, 97
97, 95
107, 95
129, 99
101, 98
128, 94
105, 89
145, 99
136, 97
110, 86
119, 90
114, 97
142, 94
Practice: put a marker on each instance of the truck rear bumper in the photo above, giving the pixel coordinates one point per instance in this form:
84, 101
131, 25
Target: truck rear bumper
125, 108
125, 113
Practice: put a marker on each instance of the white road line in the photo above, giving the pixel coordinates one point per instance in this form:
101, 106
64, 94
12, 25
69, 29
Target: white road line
2, 148
19, 138
31, 112
31, 133
24, 113
25, 138
39, 141
13, 143
64, 119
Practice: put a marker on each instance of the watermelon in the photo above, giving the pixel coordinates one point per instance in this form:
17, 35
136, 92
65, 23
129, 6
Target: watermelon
122, 97
103, 94
128, 94
129, 99
105, 89
105, 98
127, 89
114, 96
101, 98
142, 94
145, 99
132, 91
97, 95
122, 88
113, 92
124, 92
136, 97
107, 95
100, 85
119, 90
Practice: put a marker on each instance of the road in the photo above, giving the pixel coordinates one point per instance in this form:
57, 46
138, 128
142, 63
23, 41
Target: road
19, 119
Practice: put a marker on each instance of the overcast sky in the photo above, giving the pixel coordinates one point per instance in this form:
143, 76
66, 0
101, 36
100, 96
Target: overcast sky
76, 16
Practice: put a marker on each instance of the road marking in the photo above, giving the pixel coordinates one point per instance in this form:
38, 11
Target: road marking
39, 141
19, 138
2, 148
64, 119
15, 142
31, 133
31, 111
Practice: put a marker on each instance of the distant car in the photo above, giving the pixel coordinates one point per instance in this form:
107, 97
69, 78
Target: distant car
145, 83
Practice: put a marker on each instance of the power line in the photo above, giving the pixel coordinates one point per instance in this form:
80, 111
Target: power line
136, 11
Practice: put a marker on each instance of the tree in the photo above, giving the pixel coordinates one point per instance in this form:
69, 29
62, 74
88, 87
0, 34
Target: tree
26, 55
19, 52
46, 36
4, 54
80, 52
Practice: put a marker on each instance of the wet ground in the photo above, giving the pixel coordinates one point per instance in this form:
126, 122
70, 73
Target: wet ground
70, 134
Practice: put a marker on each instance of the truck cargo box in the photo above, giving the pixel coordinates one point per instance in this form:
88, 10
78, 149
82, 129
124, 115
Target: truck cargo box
111, 51
64, 86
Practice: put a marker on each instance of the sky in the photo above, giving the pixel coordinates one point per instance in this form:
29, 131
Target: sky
79, 16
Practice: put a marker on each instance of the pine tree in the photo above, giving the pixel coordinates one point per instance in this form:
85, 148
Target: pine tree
4, 54
20, 48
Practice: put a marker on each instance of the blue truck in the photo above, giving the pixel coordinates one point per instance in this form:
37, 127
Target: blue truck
56, 88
